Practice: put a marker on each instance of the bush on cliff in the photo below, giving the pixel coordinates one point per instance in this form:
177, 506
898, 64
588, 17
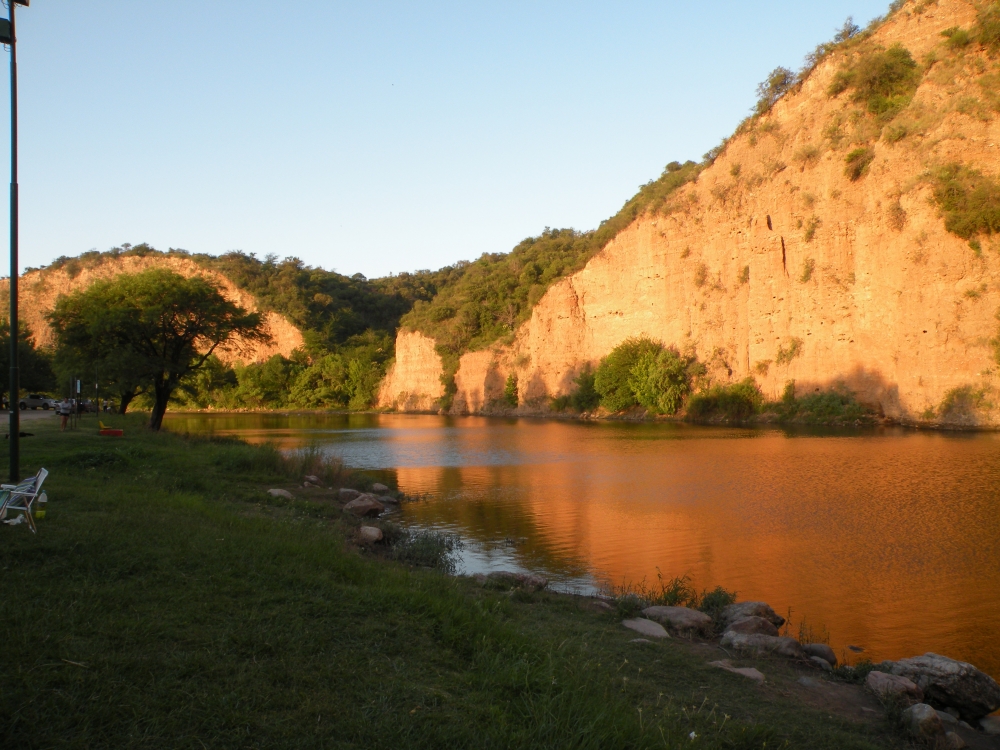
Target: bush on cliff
969, 200
884, 80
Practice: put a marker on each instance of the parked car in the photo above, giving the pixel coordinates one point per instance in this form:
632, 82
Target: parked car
34, 400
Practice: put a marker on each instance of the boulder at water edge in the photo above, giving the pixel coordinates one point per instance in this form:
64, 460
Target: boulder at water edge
954, 741
364, 505
922, 721
379, 488
821, 650
751, 625
346, 493
311, 478
370, 534
763, 644
646, 627
893, 686
990, 725
682, 620
735, 612
281, 493
956, 684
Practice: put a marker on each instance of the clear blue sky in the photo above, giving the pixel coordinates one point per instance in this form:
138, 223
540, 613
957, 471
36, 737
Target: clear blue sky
372, 137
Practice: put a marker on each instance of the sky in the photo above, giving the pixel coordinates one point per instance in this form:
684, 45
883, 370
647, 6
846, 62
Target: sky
372, 137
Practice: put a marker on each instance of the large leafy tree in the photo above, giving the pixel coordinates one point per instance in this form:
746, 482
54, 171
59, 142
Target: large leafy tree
151, 330
34, 365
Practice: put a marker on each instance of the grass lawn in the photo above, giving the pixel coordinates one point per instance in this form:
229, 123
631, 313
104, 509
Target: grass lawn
168, 602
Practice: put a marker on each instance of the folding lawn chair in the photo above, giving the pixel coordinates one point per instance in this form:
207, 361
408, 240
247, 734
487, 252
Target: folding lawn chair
22, 496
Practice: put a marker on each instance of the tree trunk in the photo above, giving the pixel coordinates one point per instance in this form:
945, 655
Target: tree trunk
161, 395
126, 399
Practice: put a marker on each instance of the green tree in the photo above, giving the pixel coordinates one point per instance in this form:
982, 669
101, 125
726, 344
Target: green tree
34, 365
661, 380
614, 374
157, 325
510, 390
585, 397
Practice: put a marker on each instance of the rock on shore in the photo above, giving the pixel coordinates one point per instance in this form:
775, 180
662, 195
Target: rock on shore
763, 644
682, 620
950, 683
742, 610
890, 685
365, 505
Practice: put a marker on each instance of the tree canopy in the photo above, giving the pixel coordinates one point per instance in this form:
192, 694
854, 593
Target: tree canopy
151, 330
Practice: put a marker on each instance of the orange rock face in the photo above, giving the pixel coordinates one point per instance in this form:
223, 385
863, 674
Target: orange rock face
39, 290
413, 382
779, 267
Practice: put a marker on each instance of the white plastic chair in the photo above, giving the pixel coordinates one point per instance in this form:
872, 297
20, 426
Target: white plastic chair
22, 496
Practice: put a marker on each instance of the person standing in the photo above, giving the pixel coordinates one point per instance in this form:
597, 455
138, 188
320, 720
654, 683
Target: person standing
64, 410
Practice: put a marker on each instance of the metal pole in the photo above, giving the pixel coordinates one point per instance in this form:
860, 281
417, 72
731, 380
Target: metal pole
15, 384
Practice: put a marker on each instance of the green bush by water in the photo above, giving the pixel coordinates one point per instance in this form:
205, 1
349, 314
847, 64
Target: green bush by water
735, 402
642, 372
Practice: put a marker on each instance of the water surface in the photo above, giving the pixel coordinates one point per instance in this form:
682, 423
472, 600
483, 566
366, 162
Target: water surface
887, 538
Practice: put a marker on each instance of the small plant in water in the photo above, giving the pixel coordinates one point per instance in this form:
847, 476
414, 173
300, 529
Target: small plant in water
427, 549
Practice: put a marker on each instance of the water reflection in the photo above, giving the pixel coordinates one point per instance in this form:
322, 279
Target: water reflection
888, 538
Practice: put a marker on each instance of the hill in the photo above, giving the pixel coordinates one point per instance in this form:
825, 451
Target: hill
843, 238
331, 335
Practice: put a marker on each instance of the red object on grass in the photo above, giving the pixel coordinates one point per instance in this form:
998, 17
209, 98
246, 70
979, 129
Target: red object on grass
112, 433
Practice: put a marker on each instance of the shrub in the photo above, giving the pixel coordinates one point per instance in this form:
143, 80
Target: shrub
811, 228
808, 154
969, 200
585, 397
829, 407
661, 381
612, 377
957, 38
713, 602
858, 162
701, 275
737, 401
427, 549
744, 276
777, 84
883, 79
786, 355
808, 265
510, 390
987, 30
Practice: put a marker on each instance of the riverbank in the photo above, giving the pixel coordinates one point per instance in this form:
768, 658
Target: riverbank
168, 600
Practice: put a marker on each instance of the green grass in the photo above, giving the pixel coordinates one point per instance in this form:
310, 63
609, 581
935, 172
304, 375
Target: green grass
167, 601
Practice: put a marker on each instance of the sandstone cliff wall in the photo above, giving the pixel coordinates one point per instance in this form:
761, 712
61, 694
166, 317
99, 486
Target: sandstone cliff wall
39, 290
413, 382
858, 281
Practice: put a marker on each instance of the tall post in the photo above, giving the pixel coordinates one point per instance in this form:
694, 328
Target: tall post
15, 384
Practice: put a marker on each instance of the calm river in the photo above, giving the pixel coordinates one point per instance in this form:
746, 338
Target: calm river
889, 539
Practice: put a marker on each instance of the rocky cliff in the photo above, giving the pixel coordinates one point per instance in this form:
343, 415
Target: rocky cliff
39, 290
775, 264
